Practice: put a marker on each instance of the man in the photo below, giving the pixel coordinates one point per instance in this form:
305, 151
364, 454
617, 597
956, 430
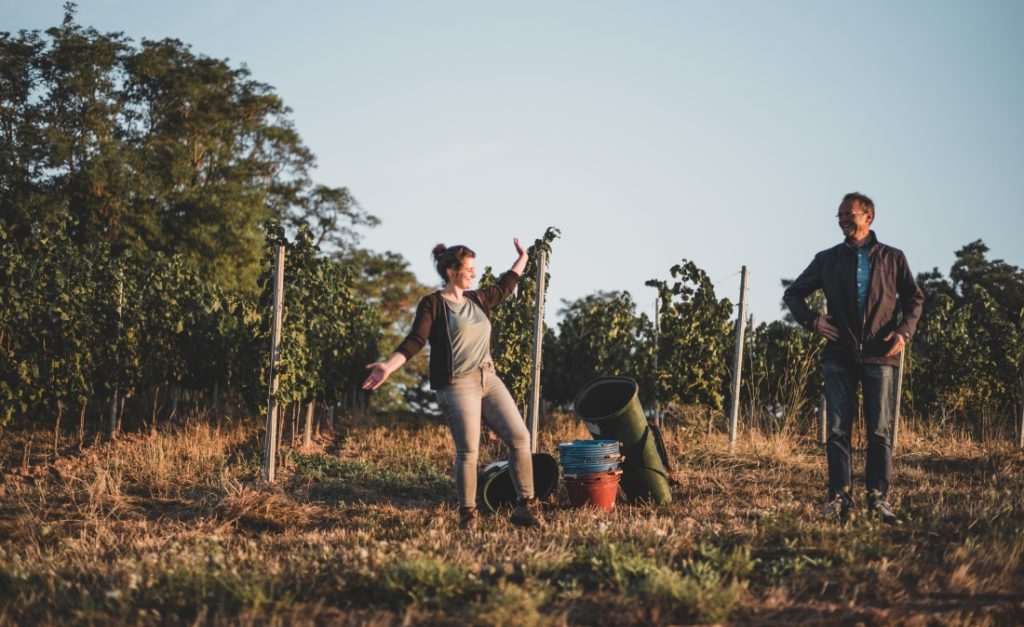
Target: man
865, 282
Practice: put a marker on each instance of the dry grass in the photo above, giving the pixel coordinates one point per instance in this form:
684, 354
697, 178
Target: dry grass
177, 528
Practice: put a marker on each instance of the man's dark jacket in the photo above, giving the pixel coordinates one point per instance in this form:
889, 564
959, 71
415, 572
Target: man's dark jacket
890, 286
431, 324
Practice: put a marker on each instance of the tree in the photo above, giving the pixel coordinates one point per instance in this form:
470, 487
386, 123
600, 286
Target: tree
692, 337
385, 281
968, 352
599, 335
152, 148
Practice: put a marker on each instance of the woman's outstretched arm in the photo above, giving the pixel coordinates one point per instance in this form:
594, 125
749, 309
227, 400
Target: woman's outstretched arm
381, 370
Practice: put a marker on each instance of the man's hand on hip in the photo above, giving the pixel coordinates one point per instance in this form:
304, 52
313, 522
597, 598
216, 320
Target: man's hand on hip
897, 343
823, 326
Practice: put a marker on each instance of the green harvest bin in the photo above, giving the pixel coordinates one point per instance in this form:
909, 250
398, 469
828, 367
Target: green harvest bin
610, 409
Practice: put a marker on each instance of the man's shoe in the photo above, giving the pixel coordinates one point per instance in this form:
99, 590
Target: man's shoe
838, 509
527, 513
881, 508
468, 518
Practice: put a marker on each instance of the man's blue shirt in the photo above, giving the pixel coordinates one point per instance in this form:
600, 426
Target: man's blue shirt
863, 274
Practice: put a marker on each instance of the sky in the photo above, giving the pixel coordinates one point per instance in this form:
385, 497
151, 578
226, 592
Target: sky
648, 132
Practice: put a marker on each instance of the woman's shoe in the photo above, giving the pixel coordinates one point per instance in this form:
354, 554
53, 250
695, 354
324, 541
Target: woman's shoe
527, 513
468, 518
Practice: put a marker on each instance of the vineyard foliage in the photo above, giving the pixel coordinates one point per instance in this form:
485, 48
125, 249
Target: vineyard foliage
967, 359
144, 186
513, 322
623, 348
78, 325
141, 186
964, 367
328, 333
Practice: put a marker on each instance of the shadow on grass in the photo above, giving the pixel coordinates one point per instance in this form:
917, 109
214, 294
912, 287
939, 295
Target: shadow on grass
979, 467
329, 480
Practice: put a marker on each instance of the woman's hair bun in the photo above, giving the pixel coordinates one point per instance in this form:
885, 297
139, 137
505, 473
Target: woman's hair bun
449, 258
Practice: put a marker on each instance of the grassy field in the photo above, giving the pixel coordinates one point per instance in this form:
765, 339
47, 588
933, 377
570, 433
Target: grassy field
176, 528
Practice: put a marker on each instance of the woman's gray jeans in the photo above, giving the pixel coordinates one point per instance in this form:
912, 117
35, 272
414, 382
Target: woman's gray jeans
470, 396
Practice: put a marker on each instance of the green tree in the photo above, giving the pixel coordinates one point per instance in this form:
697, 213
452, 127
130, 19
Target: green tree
692, 337
599, 335
134, 184
153, 148
385, 281
966, 358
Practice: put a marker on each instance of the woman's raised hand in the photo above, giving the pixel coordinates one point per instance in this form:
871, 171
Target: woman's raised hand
520, 263
378, 375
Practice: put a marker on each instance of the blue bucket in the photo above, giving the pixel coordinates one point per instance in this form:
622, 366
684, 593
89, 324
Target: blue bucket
584, 457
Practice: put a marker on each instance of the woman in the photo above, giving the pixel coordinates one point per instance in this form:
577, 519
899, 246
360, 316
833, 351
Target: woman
456, 321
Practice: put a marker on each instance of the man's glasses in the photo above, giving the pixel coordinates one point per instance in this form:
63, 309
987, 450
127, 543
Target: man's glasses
850, 214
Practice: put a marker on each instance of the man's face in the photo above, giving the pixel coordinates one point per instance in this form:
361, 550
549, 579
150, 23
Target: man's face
854, 221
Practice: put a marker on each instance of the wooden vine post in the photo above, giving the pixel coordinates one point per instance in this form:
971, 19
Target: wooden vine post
270, 449
112, 426
654, 360
751, 341
533, 424
737, 362
823, 408
1020, 429
899, 397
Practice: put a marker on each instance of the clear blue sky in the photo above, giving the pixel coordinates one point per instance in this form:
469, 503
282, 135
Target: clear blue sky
722, 132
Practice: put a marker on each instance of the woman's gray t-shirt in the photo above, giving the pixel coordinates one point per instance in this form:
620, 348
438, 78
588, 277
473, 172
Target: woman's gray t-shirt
470, 331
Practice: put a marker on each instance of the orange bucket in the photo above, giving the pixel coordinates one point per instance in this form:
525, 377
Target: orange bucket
597, 489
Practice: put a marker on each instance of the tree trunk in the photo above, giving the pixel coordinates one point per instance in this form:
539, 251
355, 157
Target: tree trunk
120, 415
81, 425
330, 418
294, 435
56, 428
216, 398
307, 430
280, 435
175, 397
156, 398
1020, 409
26, 455
113, 415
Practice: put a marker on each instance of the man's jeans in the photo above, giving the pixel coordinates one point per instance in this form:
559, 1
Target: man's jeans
462, 402
878, 385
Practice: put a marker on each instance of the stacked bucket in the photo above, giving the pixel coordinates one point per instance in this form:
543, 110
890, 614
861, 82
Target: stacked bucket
591, 472
609, 408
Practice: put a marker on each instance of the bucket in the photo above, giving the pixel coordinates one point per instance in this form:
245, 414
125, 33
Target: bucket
595, 490
581, 457
495, 488
610, 409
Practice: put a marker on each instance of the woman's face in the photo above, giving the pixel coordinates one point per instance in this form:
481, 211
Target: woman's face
464, 276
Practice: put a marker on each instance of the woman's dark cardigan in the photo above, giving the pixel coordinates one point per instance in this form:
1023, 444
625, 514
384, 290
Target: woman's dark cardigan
431, 323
